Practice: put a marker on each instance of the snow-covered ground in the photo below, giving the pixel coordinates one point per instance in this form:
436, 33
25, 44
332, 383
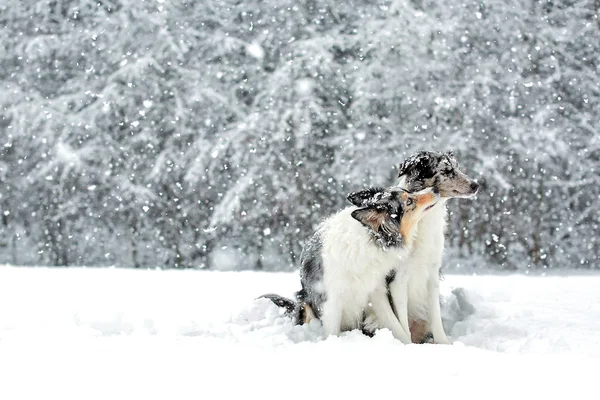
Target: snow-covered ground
126, 334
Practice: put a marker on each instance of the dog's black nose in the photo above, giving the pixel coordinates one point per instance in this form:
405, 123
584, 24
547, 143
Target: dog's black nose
474, 187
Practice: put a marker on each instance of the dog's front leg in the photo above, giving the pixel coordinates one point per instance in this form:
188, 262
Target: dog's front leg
435, 315
332, 317
399, 291
385, 315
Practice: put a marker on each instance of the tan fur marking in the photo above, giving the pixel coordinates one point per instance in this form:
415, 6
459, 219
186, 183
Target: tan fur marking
407, 223
418, 330
413, 215
309, 315
425, 200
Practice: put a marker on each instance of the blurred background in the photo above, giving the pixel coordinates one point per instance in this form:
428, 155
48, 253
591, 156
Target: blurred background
217, 134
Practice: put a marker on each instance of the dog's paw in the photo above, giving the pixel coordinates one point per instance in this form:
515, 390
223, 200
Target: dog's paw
427, 339
370, 324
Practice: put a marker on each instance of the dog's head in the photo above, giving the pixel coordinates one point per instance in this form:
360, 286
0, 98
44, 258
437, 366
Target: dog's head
391, 214
435, 169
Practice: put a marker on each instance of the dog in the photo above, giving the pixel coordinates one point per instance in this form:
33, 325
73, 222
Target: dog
351, 253
414, 286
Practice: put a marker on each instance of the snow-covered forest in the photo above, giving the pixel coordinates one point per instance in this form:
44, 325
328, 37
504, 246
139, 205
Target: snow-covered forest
217, 133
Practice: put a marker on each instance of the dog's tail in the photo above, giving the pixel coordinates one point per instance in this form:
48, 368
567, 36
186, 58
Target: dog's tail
300, 312
281, 302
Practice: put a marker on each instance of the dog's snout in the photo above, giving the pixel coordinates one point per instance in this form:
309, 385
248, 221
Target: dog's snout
474, 187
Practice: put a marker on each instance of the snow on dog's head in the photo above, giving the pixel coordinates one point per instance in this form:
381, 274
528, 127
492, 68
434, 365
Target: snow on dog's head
431, 168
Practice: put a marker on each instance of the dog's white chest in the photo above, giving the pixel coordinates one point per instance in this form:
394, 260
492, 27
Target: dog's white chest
425, 261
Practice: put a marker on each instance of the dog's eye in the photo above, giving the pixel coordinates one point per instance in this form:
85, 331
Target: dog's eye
409, 202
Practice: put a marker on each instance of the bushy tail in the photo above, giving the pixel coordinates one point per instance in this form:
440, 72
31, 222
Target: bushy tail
298, 310
281, 302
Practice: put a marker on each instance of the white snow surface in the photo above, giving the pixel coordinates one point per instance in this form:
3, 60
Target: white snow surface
124, 334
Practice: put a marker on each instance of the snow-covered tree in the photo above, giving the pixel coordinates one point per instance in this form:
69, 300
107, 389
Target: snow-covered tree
217, 134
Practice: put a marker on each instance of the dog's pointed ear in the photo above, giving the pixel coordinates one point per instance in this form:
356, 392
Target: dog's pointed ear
402, 169
364, 197
370, 217
450, 154
378, 219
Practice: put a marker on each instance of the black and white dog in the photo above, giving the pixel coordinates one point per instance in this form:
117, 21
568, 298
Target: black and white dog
415, 288
345, 263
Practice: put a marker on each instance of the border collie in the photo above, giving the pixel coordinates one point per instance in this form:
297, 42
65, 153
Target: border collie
345, 262
415, 287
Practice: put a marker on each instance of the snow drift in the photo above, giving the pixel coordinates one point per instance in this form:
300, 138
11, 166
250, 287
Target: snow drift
109, 333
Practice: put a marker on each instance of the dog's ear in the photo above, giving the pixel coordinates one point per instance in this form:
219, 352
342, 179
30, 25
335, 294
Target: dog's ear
371, 217
402, 168
450, 154
415, 160
384, 225
379, 217
365, 197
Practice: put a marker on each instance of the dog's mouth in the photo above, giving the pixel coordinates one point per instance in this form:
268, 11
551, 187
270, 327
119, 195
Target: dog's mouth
430, 207
459, 195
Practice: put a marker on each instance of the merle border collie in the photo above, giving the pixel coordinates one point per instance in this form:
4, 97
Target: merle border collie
415, 287
345, 263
